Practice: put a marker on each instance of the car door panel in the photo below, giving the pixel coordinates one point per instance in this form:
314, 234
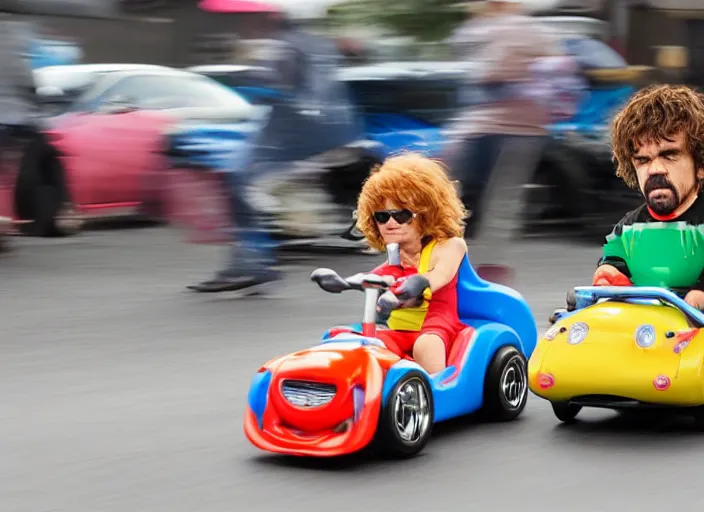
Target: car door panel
80, 142
136, 134
135, 155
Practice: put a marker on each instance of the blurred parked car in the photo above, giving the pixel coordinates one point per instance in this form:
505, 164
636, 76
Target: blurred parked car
7, 160
403, 106
406, 106
100, 150
53, 52
581, 153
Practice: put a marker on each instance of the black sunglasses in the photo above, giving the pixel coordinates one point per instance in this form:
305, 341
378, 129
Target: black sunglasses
401, 216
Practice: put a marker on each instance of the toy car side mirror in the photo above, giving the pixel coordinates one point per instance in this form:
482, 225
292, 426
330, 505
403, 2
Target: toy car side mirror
571, 300
329, 280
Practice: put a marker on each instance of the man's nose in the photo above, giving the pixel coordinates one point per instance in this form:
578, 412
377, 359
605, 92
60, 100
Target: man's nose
657, 166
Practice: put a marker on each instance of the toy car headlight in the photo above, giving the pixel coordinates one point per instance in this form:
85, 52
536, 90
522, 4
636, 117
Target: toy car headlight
645, 336
577, 333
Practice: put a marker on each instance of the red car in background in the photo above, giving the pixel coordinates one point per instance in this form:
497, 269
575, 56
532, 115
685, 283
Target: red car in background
8, 165
101, 149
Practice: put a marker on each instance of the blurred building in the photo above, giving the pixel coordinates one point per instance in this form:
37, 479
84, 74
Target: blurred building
171, 32
664, 33
669, 34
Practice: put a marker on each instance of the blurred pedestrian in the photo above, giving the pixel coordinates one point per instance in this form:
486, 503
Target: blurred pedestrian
311, 113
501, 131
18, 95
18, 105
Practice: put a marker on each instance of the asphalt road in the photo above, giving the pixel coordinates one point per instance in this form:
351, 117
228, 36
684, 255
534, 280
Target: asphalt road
121, 392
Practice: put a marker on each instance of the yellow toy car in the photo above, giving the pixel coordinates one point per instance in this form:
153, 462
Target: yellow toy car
622, 347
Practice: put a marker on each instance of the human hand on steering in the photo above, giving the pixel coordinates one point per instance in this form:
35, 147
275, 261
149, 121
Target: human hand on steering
571, 305
571, 300
695, 298
411, 287
404, 293
608, 275
387, 303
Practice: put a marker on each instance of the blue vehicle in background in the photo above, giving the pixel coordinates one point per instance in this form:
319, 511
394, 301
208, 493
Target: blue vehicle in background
577, 165
398, 107
54, 52
406, 106
595, 112
403, 106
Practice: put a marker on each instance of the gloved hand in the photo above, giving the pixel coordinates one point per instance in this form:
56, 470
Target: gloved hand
571, 300
411, 287
387, 303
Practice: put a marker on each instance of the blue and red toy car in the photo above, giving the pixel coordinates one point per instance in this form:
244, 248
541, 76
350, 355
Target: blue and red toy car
351, 391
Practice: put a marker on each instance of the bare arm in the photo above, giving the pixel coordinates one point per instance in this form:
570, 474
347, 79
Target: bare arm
445, 262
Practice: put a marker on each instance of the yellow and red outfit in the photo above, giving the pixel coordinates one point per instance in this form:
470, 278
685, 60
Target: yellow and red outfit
436, 315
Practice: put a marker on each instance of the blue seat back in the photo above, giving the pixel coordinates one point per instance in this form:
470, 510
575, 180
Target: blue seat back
478, 299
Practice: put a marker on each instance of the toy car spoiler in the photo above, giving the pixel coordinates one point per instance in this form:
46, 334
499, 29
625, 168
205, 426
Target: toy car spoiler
588, 295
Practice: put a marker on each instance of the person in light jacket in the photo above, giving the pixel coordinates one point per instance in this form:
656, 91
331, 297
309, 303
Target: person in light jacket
501, 131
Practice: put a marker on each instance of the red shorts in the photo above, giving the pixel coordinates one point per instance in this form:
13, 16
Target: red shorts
441, 319
402, 342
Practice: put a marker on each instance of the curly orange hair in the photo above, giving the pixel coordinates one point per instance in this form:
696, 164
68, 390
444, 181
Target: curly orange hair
419, 184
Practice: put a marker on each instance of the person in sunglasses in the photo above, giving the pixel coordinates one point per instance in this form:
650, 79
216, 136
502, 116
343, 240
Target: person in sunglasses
409, 200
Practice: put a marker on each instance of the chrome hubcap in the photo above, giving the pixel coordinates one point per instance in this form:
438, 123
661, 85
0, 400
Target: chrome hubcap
514, 382
412, 411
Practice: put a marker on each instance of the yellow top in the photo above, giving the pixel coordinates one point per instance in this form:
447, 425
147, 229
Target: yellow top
411, 319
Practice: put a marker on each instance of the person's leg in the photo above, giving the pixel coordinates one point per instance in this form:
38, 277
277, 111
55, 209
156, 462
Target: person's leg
251, 254
504, 198
470, 161
430, 352
247, 219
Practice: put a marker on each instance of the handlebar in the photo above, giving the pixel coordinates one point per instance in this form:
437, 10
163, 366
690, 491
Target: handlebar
371, 284
332, 282
586, 296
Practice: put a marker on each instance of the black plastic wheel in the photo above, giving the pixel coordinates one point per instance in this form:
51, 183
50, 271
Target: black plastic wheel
406, 421
506, 385
566, 412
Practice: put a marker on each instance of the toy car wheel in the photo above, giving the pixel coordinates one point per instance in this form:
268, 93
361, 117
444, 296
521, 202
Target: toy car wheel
406, 420
506, 385
566, 412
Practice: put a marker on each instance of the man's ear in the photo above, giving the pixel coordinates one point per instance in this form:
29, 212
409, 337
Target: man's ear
700, 174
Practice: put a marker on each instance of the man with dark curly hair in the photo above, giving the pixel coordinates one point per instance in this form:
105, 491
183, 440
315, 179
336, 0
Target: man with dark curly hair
658, 146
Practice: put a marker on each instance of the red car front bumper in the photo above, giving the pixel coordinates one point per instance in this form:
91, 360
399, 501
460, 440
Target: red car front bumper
285, 428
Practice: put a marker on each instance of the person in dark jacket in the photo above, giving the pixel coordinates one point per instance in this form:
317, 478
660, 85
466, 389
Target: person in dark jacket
312, 114
18, 99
